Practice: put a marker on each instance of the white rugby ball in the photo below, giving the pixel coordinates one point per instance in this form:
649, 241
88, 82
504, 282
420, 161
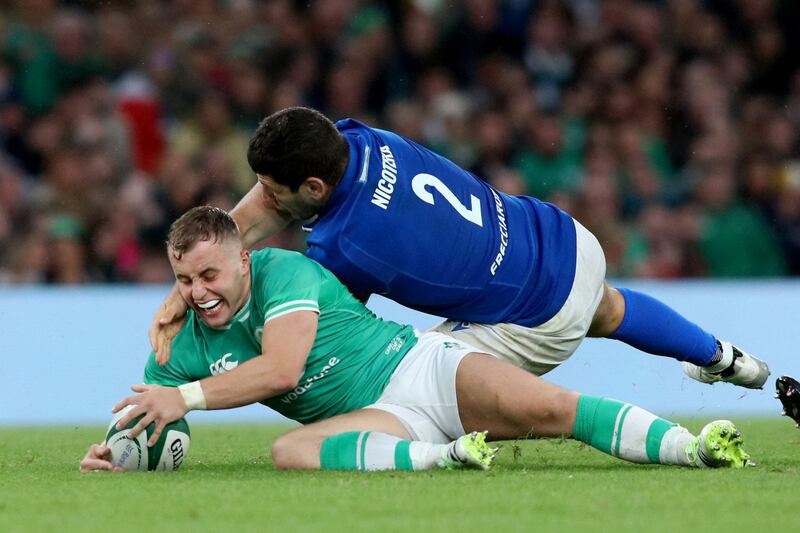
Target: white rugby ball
167, 454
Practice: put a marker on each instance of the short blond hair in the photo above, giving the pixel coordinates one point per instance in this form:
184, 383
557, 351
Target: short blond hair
204, 223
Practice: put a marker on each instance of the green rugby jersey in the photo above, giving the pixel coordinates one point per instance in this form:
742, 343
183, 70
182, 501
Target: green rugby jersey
353, 356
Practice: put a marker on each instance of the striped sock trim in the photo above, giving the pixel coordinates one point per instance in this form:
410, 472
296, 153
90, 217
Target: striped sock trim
623, 430
402, 456
584, 418
655, 435
598, 422
361, 446
339, 452
616, 438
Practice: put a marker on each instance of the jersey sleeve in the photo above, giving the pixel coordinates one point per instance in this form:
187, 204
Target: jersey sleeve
168, 375
292, 284
182, 366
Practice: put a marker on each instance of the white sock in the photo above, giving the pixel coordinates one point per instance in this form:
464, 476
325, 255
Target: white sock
381, 451
673, 446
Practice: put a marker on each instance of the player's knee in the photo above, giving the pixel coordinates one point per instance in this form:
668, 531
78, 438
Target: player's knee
609, 313
554, 417
284, 452
296, 450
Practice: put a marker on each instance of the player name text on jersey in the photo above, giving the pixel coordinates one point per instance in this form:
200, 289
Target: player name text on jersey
501, 221
385, 188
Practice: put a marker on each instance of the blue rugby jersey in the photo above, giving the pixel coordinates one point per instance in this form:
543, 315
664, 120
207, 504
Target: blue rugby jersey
411, 225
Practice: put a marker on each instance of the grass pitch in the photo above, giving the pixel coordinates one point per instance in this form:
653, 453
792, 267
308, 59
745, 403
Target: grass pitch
227, 484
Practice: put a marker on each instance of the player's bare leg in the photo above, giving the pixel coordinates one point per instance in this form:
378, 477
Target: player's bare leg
508, 402
371, 439
300, 448
512, 403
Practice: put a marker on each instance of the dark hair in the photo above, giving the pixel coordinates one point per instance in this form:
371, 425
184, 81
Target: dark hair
204, 223
296, 143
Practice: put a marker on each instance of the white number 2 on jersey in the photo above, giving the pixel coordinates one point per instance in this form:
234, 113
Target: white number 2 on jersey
421, 181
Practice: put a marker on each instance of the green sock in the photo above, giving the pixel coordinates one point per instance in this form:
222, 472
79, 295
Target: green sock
371, 450
629, 432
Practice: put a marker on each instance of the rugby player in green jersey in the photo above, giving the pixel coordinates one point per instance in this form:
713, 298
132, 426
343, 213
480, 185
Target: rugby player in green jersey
276, 327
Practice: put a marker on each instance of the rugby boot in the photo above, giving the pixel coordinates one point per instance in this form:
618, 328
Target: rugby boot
719, 445
469, 451
787, 390
736, 366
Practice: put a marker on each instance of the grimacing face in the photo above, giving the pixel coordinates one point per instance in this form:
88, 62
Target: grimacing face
280, 197
213, 279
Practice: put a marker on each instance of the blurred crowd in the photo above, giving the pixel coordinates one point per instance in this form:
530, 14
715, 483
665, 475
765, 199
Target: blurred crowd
669, 128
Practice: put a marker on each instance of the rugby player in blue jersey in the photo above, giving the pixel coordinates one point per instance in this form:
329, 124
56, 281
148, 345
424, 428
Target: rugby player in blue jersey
515, 276
373, 394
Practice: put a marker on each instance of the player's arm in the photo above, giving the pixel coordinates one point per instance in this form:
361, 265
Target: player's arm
285, 345
286, 342
257, 218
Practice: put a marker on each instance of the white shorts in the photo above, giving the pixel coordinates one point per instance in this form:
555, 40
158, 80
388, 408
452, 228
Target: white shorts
422, 390
542, 348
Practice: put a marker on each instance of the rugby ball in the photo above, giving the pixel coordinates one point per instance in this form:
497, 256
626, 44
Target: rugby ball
133, 454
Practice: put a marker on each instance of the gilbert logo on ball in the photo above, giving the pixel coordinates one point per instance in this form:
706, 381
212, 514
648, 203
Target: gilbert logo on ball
133, 454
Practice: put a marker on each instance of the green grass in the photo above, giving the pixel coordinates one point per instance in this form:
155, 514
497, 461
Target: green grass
227, 484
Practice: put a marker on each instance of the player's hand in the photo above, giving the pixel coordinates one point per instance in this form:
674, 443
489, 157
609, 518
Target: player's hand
165, 325
98, 459
158, 404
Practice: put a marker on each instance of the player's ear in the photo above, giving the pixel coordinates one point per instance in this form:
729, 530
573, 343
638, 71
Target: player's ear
245, 255
315, 188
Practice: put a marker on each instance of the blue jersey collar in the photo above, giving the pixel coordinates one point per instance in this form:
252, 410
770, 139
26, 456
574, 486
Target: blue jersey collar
345, 185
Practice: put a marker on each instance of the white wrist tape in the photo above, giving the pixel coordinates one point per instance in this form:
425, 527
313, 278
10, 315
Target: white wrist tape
193, 395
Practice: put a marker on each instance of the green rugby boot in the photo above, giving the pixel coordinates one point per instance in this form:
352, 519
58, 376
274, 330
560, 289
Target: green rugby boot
719, 445
469, 451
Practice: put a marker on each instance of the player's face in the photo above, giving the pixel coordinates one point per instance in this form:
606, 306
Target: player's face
213, 279
300, 204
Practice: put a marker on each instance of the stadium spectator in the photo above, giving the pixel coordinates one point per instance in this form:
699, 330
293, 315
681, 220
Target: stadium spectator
544, 94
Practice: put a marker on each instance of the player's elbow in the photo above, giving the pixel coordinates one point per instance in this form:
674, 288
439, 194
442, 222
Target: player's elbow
284, 382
